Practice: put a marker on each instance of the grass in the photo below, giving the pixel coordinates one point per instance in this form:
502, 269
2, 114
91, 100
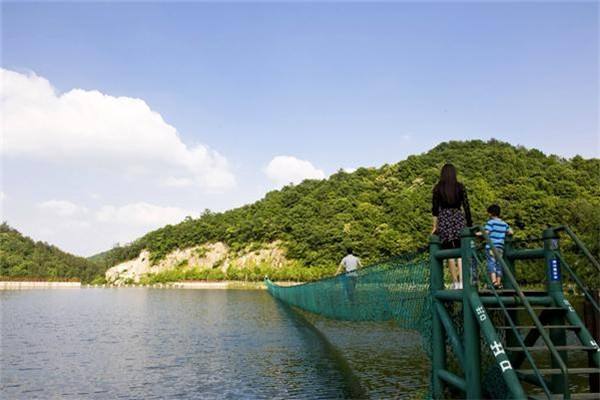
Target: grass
254, 273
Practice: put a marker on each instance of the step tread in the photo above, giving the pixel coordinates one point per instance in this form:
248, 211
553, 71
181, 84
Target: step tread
557, 371
574, 396
573, 327
540, 308
511, 291
559, 348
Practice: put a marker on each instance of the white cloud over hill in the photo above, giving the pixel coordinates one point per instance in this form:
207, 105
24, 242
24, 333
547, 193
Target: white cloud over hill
98, 227
89, 128
143, 214
288, 169
63, 208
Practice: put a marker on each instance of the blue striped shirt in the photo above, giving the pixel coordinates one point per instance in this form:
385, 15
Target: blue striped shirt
497, 230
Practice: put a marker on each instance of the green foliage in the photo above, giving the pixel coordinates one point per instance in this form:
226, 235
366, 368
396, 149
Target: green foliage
386, 211
255, 273
99, 280
21, 257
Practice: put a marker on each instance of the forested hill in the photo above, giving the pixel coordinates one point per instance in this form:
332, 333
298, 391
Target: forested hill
21, 257
386, 211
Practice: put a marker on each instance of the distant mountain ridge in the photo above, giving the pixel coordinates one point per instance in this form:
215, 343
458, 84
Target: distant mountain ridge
385, 211
22, 257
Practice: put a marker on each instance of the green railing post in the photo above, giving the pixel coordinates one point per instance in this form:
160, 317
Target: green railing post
553, 271
554, 284
438, 345
472, 355
511, 339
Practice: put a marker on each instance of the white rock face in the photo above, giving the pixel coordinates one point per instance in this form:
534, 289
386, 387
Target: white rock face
272, 254
132, 269
209, 255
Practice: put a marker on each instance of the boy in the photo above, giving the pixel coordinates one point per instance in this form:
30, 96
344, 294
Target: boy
497, 230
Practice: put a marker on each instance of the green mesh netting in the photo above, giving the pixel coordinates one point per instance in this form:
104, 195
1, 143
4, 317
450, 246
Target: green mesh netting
397, 289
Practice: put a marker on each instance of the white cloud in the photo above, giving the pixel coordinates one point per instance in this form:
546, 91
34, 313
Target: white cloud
71, 225
64, 223
142, 214
63, 208
349, 170
90, 128
288, 169
173, 181
2, 198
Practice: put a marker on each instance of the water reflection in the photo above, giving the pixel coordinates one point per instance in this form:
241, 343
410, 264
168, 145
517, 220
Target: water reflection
149, 343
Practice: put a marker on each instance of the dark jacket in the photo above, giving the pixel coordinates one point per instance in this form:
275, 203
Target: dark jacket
439, 202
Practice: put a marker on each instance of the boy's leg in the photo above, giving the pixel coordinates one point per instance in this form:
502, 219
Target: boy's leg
499, 272
491, 265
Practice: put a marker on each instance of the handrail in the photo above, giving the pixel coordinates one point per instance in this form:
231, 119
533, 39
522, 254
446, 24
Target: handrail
508, 274
578, 282
579, 244
528, 355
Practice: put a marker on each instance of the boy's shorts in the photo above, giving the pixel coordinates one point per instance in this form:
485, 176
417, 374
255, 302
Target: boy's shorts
494, 266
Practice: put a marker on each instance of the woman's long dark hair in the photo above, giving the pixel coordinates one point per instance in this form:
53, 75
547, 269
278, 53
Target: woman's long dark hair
448, 185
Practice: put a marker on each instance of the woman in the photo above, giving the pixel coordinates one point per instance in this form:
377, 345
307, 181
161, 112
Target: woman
449, 196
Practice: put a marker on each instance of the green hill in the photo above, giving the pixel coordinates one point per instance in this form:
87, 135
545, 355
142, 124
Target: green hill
385, 211
21, 257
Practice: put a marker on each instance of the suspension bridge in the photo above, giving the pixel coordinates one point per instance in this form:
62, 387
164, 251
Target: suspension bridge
483, 342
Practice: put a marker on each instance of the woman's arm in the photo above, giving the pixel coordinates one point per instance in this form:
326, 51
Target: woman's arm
434, 228
435, 202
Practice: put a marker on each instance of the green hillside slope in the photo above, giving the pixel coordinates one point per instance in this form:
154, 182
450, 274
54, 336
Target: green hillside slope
386, 211
21, 257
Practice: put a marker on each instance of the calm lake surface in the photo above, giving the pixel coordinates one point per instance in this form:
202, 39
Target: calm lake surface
167, 343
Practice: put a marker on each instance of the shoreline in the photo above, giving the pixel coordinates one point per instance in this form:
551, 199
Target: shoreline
221, 285
18, 285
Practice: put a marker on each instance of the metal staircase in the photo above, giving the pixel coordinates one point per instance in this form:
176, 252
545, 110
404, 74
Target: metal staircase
539, 332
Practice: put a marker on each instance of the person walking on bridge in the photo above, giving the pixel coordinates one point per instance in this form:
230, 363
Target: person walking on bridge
351, 264
449, 196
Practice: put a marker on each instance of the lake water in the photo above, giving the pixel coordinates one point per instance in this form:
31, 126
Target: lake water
138, 343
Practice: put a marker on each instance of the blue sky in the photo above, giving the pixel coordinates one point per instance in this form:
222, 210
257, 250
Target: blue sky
326, 85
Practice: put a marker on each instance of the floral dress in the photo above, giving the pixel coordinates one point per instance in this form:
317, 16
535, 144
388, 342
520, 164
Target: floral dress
451, 219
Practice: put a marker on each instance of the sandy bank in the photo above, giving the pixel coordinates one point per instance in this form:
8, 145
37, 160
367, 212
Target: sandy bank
197, 285
7, 285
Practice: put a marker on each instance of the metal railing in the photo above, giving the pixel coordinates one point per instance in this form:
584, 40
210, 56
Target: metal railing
514, 329
545, 337
570, 270
579, 244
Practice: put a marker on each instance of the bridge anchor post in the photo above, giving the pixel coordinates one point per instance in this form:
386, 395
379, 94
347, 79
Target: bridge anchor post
472, 350
438, 337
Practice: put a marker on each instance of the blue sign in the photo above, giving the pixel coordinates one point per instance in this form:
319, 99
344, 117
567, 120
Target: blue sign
554, 269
